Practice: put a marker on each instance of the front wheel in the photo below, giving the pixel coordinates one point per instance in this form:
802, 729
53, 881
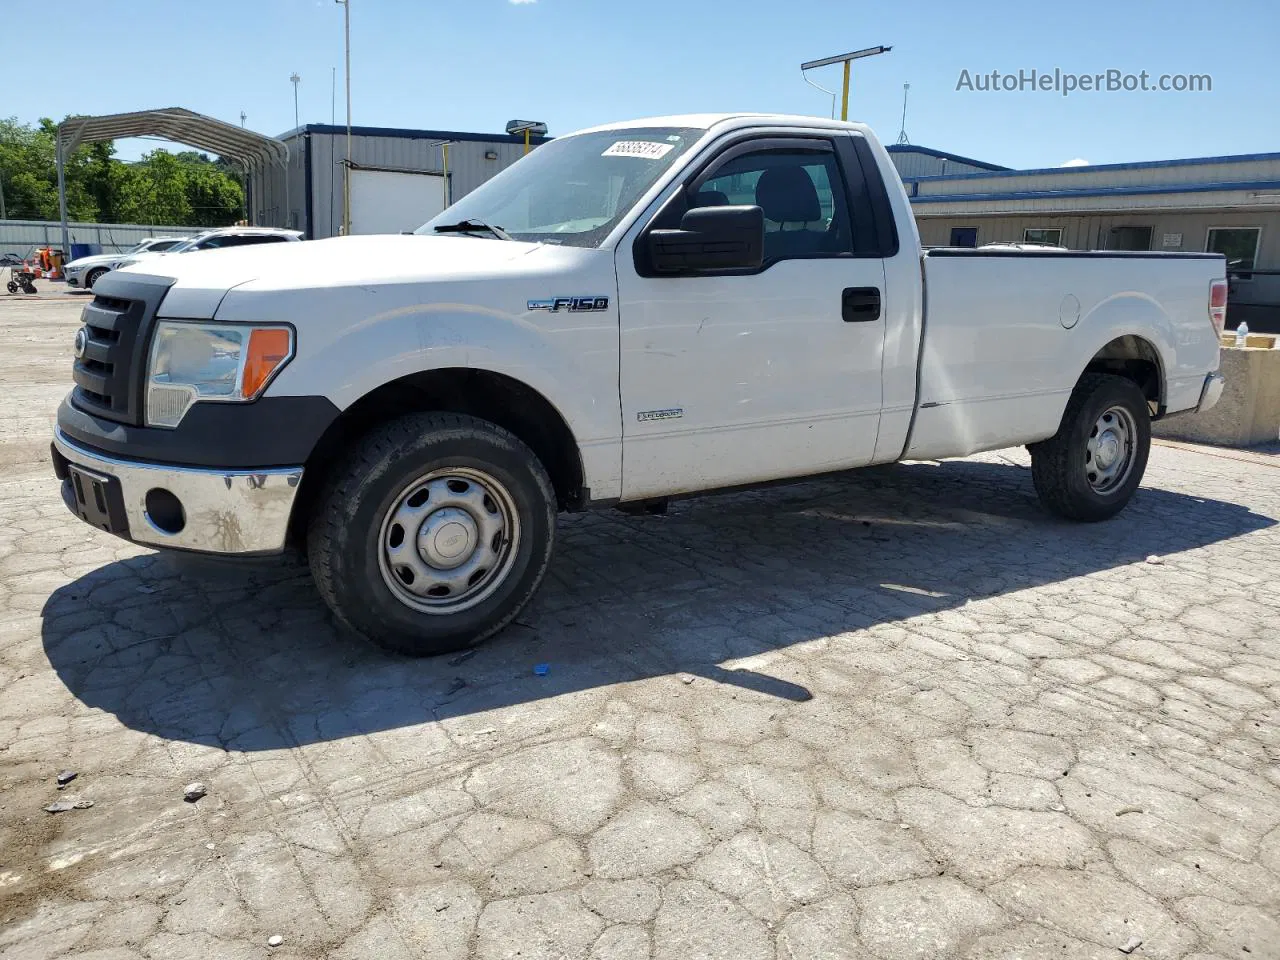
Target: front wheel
11, 287
433, 534
93, 276
1092, 466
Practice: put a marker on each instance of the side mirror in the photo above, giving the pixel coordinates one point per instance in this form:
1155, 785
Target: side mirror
710, 238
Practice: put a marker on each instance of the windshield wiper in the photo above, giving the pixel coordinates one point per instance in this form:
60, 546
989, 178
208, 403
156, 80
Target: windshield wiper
473, 226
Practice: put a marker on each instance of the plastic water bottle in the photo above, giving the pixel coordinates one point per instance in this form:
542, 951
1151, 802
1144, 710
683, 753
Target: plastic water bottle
1242, 334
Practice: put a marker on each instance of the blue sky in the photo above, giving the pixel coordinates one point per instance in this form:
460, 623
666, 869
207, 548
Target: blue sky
474, 64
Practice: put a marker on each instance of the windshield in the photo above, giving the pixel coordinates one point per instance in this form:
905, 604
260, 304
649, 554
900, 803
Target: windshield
574, 190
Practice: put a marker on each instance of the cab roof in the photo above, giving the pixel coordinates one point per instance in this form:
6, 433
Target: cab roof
706, 121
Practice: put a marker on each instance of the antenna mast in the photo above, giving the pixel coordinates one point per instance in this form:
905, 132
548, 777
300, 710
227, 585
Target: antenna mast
902, 133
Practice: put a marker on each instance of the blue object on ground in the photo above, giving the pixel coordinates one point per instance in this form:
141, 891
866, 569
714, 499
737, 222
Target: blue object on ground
542, 669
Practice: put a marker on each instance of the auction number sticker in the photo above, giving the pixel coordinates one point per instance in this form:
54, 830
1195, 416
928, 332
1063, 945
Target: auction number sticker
644, 149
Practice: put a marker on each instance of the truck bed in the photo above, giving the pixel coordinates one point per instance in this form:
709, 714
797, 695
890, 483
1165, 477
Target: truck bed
1007, 333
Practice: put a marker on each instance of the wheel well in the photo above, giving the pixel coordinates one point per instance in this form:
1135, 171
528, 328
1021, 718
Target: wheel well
480, 393
1134, 359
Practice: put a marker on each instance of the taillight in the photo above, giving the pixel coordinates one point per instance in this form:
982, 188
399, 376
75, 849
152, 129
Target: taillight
1218, 305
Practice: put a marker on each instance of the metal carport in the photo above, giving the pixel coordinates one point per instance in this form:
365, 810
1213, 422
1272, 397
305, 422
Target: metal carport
251, 150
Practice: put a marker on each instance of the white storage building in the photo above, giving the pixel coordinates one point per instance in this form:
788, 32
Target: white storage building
399, 178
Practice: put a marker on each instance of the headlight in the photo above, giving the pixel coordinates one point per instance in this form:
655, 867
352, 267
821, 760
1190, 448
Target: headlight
230, 363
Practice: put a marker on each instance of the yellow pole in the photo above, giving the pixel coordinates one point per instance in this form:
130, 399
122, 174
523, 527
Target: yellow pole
526, 140
844, 102
445, 148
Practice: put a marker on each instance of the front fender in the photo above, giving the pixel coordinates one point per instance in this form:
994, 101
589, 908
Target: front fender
571, 359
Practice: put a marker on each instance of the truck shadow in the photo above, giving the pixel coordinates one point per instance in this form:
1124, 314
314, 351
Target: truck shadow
250, 659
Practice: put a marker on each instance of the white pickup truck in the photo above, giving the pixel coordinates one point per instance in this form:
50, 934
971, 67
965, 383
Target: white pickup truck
631, 313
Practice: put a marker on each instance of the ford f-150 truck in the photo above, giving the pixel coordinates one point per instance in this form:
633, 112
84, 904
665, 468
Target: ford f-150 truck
630, 313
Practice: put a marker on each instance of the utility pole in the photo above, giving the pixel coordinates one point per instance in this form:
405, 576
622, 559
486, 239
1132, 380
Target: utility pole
346, 165
295, 80
847, 59
243, 117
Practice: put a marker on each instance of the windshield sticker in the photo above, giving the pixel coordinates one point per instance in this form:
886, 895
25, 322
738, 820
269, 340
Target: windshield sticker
645, 149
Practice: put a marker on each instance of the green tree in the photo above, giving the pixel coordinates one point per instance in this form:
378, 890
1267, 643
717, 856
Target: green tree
187, 188
30, 173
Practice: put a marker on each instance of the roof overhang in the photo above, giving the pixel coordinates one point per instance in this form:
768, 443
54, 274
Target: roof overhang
1256, 196
181, 126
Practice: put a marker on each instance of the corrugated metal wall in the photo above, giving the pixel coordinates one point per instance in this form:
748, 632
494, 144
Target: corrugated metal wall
22, 236
468, 168
912, 164
1091, 233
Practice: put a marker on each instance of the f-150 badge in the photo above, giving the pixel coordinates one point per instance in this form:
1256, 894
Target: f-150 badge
572, 304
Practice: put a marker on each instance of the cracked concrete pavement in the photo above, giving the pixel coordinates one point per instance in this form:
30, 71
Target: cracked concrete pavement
897, 714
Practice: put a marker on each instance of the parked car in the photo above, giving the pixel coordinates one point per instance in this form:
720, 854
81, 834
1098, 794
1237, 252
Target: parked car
631, 313
85, 271
220, 238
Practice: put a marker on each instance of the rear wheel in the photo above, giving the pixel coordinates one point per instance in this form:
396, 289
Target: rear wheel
11, 287
92, 277
1092, 466
433, 534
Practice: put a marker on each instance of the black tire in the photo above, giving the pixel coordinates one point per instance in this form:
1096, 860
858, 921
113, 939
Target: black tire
1060, 465
345, 530
92, 276
11, 287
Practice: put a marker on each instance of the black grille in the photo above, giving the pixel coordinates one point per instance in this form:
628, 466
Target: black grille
109, 373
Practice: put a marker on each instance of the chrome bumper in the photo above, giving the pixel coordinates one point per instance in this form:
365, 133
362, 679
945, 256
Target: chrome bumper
222, 511
1211, 392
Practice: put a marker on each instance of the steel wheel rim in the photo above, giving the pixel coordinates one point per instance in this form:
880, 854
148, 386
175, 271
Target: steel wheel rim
449, 540
1109, 452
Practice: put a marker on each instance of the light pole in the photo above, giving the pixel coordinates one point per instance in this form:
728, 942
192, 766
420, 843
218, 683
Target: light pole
346, 164
295, 80
847, 59
530, 129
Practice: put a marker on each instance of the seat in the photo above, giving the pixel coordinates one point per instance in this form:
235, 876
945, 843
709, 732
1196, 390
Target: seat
787, 196
711, 198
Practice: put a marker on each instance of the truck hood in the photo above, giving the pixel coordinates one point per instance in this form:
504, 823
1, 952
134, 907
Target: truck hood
201, 278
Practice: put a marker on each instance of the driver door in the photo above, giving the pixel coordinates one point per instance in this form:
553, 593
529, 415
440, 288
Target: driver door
734, 377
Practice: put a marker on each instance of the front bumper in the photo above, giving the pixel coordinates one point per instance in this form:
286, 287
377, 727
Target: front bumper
73, 279
1211, 392
228, 512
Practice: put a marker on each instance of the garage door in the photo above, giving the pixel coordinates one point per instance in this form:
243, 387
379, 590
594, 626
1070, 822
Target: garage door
386, 201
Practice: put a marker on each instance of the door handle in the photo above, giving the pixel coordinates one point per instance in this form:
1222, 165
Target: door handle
860, 304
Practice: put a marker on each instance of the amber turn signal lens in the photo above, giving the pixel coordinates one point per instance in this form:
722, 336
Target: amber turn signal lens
268, 350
